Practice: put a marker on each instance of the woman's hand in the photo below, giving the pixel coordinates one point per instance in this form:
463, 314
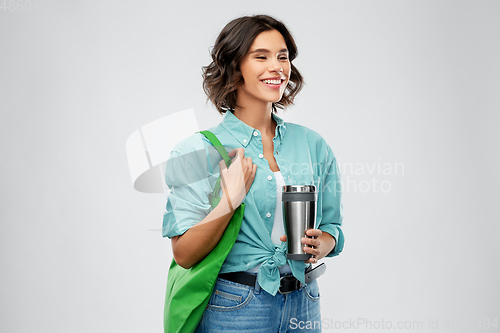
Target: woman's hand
237, 179
199, 240
320, 245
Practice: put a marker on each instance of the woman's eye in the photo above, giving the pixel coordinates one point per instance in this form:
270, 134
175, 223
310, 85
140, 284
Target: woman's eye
283, 58
261, 57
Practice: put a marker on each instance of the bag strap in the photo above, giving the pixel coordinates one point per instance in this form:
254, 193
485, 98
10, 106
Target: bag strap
220, 148
214, 197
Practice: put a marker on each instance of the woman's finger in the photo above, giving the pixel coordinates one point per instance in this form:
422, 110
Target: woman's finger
311, 241
251, 177
314, 232
248, 166
311, 250
312, 244
237, 153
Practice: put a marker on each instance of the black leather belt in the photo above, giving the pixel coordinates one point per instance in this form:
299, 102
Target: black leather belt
288, 283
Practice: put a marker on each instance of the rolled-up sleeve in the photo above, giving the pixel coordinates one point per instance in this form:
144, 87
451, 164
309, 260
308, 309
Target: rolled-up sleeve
331, 197
188, 177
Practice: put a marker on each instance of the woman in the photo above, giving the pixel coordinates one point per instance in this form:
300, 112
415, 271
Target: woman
250, 78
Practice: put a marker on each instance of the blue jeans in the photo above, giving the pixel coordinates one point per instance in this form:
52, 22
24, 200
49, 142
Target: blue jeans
234, 307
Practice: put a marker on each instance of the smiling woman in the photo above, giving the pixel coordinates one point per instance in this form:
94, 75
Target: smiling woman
240, 39
265, 70
258, 289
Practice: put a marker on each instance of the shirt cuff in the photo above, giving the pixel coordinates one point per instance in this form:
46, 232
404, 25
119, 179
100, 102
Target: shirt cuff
336, 233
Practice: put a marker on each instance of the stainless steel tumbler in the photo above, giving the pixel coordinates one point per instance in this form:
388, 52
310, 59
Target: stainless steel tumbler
299, 214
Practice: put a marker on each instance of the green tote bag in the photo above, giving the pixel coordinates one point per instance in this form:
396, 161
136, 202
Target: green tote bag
189, 290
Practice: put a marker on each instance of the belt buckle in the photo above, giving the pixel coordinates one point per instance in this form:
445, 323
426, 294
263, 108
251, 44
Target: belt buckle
281, 284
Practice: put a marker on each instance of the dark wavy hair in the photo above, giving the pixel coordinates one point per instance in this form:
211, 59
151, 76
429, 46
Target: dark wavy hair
222, 77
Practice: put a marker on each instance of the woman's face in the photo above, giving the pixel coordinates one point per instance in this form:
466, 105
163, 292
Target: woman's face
265, 70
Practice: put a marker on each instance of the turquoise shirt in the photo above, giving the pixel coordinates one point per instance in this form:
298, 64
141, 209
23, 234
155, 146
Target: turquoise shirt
303, 158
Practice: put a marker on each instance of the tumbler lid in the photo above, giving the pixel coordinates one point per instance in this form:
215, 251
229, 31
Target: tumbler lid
299, 188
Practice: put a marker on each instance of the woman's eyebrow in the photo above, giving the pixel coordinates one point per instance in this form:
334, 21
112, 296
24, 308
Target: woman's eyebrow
267, 51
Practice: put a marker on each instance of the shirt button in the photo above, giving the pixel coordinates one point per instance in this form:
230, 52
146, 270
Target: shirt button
255, 133
269, 177
261, 156
268, 214
244, 140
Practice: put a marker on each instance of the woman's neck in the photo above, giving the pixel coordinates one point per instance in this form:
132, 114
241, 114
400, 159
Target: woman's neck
257, 117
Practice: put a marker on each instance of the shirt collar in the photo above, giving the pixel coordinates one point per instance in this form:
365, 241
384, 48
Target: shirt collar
281, 127
242, 132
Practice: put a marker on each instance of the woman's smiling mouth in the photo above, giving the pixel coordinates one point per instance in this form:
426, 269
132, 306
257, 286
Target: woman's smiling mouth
273, 82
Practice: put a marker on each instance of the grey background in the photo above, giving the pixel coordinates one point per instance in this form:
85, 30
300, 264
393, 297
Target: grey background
411, 82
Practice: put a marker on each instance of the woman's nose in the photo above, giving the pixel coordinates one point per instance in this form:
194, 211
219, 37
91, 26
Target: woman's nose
275, 66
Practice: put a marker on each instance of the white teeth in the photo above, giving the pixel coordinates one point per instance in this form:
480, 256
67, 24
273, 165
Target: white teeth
278, 81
